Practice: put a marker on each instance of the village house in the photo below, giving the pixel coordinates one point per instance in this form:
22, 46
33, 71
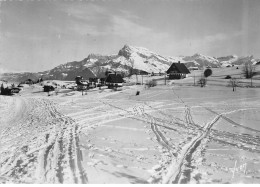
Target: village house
96, 82
193, 68
29, 81
139, 72
177, 71
114, 80
48, 88
81, 84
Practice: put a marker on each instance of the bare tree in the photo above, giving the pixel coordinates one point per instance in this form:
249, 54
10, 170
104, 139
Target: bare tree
202, 81
234, 83
249, 71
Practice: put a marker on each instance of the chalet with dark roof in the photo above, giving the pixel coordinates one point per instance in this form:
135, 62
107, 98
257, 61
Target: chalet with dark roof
177, 71
114, 80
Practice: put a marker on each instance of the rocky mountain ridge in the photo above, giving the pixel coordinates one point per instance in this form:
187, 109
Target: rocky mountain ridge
128, 58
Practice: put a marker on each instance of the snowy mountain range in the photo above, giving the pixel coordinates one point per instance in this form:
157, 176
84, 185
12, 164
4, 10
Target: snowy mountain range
129, 57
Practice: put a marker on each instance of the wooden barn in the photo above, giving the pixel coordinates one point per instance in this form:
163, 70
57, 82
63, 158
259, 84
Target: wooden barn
177, 71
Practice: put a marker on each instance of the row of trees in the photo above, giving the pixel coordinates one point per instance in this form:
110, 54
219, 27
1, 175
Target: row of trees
248, 70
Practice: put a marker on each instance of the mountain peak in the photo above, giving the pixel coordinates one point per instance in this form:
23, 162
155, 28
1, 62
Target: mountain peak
125, 51
197, 54
93, 55
126, 46
128, 50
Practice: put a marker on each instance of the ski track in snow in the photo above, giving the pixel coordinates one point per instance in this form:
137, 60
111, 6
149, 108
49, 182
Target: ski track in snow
51, 147
179, 169
47, 150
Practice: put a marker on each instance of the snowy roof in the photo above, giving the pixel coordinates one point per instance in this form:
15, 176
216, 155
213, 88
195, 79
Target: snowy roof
179, 67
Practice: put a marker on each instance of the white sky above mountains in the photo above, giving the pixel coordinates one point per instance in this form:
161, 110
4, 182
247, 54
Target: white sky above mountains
39, 35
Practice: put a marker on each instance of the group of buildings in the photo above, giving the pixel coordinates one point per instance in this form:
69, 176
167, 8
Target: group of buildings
113, 79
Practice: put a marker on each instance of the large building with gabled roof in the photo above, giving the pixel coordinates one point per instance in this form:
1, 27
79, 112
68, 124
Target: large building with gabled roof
177, 71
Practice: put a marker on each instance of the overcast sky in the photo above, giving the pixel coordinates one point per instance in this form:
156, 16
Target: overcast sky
39, 35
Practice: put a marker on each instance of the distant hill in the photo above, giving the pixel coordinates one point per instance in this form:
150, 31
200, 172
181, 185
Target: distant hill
199, 60
19, 77
235, 60
129, 57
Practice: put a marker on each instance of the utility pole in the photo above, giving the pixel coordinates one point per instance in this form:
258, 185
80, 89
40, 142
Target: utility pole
165, 78
137, 72
194, 78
